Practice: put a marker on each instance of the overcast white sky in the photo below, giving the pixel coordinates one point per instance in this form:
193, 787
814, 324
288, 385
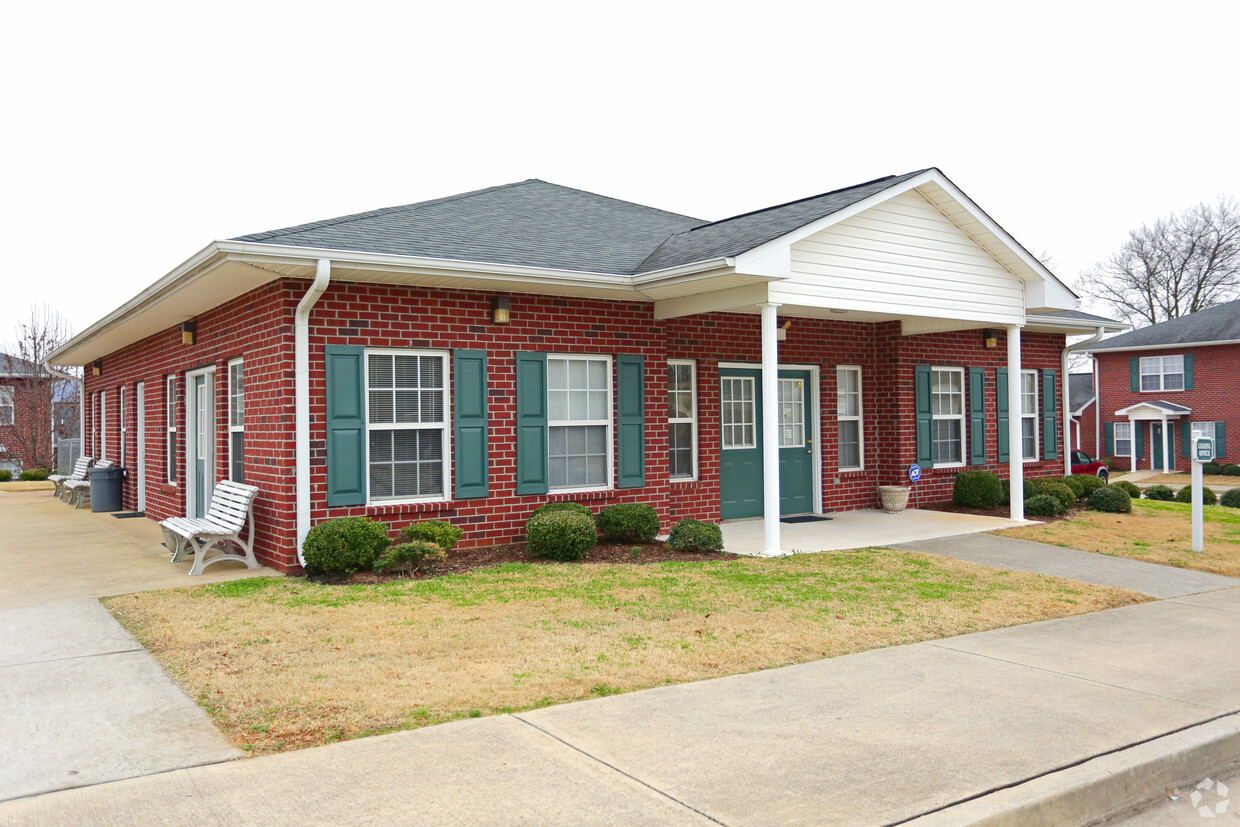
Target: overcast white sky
134, 134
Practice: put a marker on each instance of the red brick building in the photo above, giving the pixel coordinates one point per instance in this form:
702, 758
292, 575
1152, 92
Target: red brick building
473, 357
1158, 384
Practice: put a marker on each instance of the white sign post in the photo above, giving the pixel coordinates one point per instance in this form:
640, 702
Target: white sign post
1203, 452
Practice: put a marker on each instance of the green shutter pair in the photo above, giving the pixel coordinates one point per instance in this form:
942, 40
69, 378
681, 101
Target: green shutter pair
1134, 373
1108, 430
925, 417
345, 372
532, 422
1220, 439
1049, 414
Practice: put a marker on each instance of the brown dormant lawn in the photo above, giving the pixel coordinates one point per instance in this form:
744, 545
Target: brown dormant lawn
1208, 480
286, 663
1156, 532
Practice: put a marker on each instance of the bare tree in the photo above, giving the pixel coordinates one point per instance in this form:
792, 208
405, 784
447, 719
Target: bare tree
28, 427
1183, 263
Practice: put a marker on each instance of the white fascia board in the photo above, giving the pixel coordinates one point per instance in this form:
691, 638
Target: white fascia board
1176, 346
1081, 409
1147, 407
1036, 320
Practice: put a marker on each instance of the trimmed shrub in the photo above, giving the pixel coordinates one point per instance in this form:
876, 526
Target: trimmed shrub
977, 489
444, 535
1159, 492
695, 535
576, 508
1089, 482
1109, 498
1043, 505
1230, 498
1185, 495
33, 475
1073, 482
629, 522
1212, 468
561, 534
6, 475
344, 545
411, 556
1057, 489
1131, 489
1231, 470
1007, 489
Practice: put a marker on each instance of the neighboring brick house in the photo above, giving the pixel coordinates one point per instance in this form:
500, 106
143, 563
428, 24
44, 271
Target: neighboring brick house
472, 357
27, 410
1159, 383
1081, 411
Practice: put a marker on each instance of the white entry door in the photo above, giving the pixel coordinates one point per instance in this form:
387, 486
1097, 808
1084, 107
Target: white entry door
141, 400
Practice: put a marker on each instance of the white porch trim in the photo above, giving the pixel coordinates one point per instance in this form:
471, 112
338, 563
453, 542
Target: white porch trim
770, 430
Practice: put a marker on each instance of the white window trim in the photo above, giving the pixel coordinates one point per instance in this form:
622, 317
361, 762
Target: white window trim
1115, 438
569, 423
692, 421
859, 418
963, 416
170, 428
446, 460
235, 429
1162, 376
6, 392
1035, 416
753, 404
124, 424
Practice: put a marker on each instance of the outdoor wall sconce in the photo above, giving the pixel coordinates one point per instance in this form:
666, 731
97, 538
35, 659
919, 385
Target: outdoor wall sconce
501, 310
96, 368
990, 338
189, 333
781, 332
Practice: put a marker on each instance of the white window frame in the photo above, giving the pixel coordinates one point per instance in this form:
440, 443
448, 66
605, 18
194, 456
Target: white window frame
1161, 373
859, 418
103, 425
7, 404
576, 423
753, 406
691, 421
963, 416
170, 429
445, 426
1037, 426
236, 427
1212, 435
94, 431
124, 424
1116, 438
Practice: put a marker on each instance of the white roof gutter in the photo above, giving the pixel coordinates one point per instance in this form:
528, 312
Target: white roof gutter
301, 397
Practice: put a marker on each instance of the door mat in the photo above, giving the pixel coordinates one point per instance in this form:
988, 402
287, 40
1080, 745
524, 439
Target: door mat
804, 518
127, 514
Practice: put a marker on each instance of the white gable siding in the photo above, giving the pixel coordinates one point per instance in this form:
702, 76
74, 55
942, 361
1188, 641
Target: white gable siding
902, 257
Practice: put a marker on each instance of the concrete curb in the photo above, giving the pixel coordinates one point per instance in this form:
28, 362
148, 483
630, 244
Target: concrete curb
1109, 785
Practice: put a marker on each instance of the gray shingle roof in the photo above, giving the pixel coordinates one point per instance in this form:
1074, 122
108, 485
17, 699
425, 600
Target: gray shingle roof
1075, 315
1160, 404
1220, 323
1080, 390
537, 224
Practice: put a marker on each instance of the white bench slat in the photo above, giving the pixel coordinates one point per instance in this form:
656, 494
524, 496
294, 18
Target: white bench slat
230, 509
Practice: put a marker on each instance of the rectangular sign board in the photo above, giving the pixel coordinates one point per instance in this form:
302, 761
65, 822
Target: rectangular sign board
1205, 450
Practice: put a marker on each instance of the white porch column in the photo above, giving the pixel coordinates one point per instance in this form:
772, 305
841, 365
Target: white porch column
1132, 444
1016, 467
1166, 453
770, 430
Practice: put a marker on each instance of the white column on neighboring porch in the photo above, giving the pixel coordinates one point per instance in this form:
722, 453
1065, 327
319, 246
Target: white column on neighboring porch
1016, 470
1132, 444
1166, 453
770, 430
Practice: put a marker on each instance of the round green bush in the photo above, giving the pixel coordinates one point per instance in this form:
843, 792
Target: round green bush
1043, 505
560, 535
411, 556
444, 535
1089, 484
1159, 492
1057, 488
629, 522
977, 489
1230, 498
344, 545
6, 475
575, 508
1185, 495
1231, 470
695, 535
1007, 489
1212, 469
1109, 498
33, 475
1073, 482
1133, 492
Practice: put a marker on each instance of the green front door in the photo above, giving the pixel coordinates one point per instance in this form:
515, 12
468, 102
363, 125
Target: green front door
740, 485
1156, 439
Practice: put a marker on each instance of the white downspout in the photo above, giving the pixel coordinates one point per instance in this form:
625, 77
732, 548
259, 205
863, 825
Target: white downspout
301, 396
81, 386
1067, 408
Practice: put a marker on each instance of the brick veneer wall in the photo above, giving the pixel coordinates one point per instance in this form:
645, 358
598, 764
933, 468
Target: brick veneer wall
1216, 389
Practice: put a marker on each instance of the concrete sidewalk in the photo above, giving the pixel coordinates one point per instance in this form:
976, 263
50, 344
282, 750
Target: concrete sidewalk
1028, 723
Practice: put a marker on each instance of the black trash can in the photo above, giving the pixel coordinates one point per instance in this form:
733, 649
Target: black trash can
105, 488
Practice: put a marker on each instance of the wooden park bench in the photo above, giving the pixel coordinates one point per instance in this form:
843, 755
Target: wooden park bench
230, 512
78, 491
78, 473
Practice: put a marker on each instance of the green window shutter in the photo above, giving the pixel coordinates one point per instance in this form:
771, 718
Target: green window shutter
345, 371
1188, 371
977, 416
1186, 439
1134, 373
469, 423
1109, 445
630, 422
1050, 416
1139, 436
921, 386
531, 423
1001, 413
1220, 439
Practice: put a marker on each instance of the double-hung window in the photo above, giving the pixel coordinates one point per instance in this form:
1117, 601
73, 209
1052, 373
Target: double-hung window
171, 427
407, 424
947, 415
1123, 439
7, 411
848, 417
236, 420
1162, 373
681, 419
1029, 414
578, 422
